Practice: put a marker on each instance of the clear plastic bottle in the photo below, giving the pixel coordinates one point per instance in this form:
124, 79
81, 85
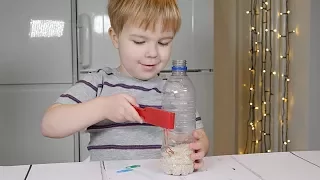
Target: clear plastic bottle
179, 97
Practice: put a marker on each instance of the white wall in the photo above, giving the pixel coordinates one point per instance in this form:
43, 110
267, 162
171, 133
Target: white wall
224, 76
305, 86
314, 133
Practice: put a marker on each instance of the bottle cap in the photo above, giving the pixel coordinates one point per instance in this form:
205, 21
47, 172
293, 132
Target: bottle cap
179, 65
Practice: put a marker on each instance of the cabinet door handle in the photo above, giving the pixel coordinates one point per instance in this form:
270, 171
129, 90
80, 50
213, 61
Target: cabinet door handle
85, 41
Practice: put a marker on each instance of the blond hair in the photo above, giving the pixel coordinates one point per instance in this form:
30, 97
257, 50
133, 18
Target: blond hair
145, 14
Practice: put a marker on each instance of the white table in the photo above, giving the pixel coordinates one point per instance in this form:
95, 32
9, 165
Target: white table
269, 166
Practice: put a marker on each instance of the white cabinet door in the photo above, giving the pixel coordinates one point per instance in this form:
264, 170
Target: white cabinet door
194, 41
35, 42
203, 83
92, 15
203, 35
21, 110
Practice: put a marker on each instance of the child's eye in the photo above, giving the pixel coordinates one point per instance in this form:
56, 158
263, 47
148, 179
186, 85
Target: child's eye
164, 44
138, 42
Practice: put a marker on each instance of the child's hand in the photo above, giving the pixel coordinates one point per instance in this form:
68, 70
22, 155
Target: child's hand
119, 108
200, 148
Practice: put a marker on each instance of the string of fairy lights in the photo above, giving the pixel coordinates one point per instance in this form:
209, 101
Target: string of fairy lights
284, 37
260, 119
259, 122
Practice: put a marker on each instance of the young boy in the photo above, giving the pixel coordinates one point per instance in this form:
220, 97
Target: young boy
103, 101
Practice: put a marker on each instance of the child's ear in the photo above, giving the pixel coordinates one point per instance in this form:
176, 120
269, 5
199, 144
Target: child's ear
114, 37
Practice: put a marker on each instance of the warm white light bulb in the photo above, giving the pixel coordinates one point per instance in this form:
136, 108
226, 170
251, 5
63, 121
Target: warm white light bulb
288, 12
248, 12
281, 57
269, 150
251, 89
267, 30
264, 102
288, 141
264, 71
288, 79
257, 108
265, 115
274, 73
251, 104
275, 30
266, 3
257, 141
267, 49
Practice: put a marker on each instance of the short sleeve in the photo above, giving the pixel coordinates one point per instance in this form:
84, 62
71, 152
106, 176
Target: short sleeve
199, 124
84, 90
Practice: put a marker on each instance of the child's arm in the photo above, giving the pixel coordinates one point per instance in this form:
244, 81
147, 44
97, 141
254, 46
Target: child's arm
62, 120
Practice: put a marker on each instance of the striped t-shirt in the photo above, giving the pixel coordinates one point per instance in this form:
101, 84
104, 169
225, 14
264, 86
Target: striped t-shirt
120, 141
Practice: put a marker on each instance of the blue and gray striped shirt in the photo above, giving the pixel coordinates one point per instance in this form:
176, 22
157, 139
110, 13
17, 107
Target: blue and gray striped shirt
120, 141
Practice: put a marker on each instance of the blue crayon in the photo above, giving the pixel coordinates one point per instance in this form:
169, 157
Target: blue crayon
124, 170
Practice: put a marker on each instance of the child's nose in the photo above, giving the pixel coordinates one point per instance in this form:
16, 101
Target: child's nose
152, 52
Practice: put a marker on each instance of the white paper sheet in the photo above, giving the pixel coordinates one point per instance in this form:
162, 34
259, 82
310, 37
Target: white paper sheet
311, 156
67, 171
13, 172
218, 168
282, 166
268, 166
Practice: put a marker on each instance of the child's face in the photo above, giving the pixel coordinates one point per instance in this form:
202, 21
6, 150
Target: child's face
143, 54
